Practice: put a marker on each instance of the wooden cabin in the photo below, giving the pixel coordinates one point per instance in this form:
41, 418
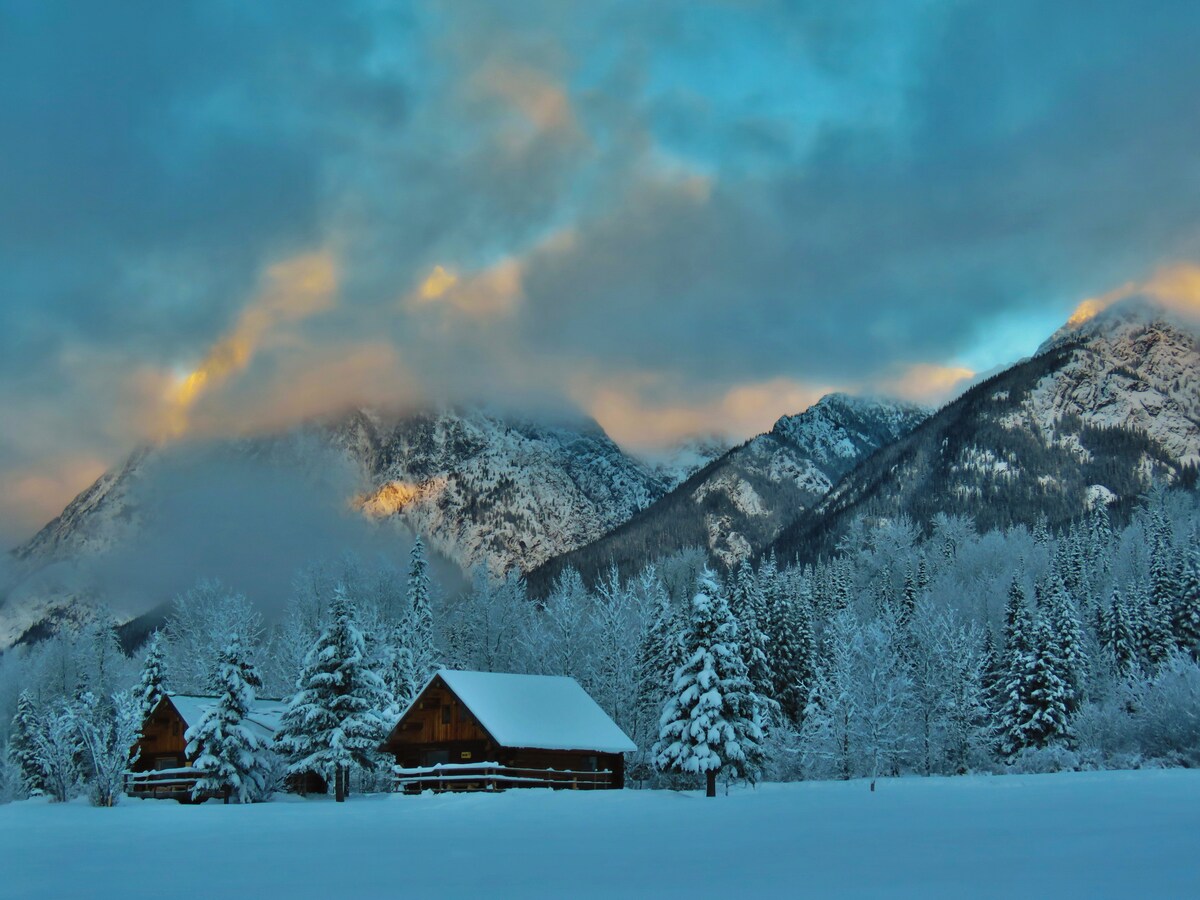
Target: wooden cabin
163, 768
487, 731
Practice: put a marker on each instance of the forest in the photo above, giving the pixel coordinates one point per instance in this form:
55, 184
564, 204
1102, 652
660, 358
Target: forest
904, 653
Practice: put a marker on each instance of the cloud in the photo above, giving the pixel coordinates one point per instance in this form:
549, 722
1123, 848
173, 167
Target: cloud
927, 383
647, 413
749, 201
1175, 287
294, 290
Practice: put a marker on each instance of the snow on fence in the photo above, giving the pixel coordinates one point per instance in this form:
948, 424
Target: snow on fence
492, 776
161, 782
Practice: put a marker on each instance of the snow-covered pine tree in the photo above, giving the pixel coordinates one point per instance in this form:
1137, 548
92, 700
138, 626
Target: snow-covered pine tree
420, 610
660, 654
232, 759
1066, 633
22, 744
747, 606
792, 649
152, 690
334, 721
1120, 638
711, 720
1035, 711
1185, 616
1152, 624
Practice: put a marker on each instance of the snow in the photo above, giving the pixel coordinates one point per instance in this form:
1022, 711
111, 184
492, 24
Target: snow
264, 714
542, 712
1102, 834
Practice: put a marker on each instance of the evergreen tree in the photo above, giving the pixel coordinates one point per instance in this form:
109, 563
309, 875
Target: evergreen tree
1034, 712
151, 690
1152, 625
711, 720
793, 653
1119, 637
1066, 635
1185, 616
232, 759
333, 722
420, 609
747, 606
22, 744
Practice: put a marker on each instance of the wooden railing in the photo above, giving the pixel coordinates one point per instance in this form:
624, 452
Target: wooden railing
161, 782
491, 776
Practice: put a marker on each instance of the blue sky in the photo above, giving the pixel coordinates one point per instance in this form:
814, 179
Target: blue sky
217, 217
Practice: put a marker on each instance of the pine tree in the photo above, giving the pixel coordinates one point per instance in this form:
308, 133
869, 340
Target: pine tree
22, 744
1066, 635
420, 610
232, 759
793, 652
711, 720
151, 691
1119, 637
1152, 625
908, 600
747, 606
1034, 710
333, 722
1185, 616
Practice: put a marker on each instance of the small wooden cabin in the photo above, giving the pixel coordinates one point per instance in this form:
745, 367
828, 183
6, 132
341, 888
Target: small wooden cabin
487, 730
162, 768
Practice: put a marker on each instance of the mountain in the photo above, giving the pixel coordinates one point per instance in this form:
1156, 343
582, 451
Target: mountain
485, 488
681, 462
740, 501
1105, 408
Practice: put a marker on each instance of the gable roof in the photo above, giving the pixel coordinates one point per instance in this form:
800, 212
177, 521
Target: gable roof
536, 712
264, 715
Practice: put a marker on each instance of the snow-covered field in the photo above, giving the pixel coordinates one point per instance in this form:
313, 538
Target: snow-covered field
1120, 834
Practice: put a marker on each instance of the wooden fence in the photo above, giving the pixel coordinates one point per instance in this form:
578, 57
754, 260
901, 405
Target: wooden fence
491, 776
173, 783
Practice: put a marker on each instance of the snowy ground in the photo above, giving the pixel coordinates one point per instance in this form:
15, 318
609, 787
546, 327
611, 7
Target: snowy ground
1130, 834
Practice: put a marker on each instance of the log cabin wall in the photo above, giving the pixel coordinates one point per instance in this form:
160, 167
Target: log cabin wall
439, 728
162, 744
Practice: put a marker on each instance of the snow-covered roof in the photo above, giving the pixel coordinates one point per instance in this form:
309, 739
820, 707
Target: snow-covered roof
538, 712
264, 714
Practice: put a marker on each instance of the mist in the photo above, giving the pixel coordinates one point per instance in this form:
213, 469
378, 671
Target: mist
251, 514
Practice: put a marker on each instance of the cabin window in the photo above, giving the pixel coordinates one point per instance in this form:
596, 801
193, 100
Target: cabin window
446, 714
437, 757
589, 764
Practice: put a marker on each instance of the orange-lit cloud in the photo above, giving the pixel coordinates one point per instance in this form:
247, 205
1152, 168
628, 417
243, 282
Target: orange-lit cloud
1176, 287
489, 293
533, 94
294, 290
623, 409
33, 495
927, 383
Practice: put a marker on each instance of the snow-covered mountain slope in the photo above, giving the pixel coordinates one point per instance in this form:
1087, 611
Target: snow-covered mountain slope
484, 488
1101, 411
499, 492
740, 501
